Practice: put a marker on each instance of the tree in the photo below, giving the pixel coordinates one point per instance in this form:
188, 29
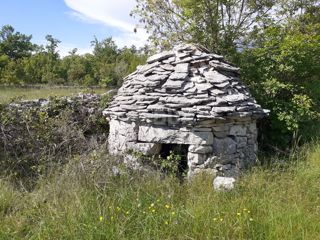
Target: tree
13, 44
283, 72
51, 47
222, 26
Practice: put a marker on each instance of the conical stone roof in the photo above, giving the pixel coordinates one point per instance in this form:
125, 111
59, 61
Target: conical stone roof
186, 85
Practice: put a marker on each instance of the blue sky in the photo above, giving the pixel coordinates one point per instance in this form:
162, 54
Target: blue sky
74, 22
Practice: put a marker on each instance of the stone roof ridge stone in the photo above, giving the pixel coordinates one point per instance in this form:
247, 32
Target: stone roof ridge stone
187, 82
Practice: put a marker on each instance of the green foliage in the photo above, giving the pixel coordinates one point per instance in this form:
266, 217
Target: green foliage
35, 139
22, 62
11, 94
282, 71
13, 44
170, 165
220, 26
85, 201
276, 44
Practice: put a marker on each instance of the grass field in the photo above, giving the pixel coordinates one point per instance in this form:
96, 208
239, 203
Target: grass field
9, 93
82, 202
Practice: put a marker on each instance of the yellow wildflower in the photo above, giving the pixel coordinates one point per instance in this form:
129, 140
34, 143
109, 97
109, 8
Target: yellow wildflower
250, 219
239, 214
166, 222
221, 219
215, 219
127, 212
153, 210
101, 218
173, 213
167, 206
152, 205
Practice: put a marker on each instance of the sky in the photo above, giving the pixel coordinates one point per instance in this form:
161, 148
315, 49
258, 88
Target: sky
73, 22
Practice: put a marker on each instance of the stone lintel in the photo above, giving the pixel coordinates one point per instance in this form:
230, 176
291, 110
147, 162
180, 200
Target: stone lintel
167, 135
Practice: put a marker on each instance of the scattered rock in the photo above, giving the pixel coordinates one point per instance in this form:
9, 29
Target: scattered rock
223, 183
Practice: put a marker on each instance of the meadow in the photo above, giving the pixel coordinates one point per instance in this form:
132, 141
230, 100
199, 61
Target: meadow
84, 198
84, 201
8, 94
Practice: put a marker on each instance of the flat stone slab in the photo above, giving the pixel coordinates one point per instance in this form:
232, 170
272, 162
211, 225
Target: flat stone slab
215, 77
200, 149
160, 56
173, 84
166, 135
178, 76
188, 77
182, 68
224, 146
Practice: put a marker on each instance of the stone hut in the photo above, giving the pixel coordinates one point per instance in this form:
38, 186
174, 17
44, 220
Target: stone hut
191, 99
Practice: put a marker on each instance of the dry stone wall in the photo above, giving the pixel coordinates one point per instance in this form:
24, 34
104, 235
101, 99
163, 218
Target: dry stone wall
192, 97
222, 149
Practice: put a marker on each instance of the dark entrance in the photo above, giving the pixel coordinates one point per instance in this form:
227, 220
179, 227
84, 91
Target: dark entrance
178, 153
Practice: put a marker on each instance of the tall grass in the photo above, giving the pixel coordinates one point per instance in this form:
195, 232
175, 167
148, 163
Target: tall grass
84, 201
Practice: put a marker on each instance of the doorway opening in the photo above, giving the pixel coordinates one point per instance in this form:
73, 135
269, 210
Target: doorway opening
175, 158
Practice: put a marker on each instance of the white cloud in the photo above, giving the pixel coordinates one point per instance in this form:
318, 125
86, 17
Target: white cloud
65, 48
112, 13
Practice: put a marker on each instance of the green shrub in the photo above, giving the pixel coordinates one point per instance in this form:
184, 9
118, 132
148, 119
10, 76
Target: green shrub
33, 140
283, 72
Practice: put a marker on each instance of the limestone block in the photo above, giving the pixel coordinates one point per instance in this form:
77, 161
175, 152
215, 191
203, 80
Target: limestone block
236, 97
147, 148
252, 128
224, 146
251, 141
241, 142
117, 145
210, 162
227, 170
200, 149
196, 158
119, 134
221, 131
178, 76
216, 92
173, 84
167, 135
167, 67
222, 109
182, 68
160, 56
238, 130
223, 183
223, 134
215, 77
201, 129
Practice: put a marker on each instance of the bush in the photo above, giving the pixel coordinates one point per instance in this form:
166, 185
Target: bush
35, 138
283, 72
